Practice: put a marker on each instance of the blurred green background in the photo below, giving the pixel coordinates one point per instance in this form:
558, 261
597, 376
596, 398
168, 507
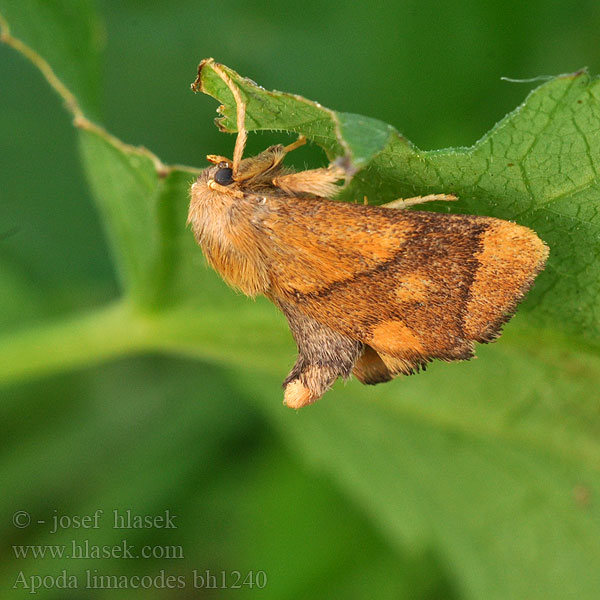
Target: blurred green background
153, 433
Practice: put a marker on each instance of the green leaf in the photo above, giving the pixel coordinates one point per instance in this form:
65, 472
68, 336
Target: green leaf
360, 138
492, 466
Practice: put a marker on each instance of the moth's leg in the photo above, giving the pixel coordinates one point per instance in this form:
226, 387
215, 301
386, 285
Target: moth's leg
267, 160
401, 203
299, 142
255, 166
319, 182
323, 356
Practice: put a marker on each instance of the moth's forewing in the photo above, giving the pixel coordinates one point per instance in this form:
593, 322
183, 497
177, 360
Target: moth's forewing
411, 285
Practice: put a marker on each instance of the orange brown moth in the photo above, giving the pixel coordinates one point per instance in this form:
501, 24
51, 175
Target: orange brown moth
374, 291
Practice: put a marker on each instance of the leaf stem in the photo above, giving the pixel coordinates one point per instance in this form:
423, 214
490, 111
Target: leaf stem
108, 332
71, 103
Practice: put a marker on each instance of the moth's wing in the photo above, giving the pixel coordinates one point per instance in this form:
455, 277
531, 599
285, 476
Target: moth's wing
412, 286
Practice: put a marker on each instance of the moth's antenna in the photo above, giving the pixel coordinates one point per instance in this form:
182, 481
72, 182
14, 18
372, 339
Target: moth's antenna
242, 135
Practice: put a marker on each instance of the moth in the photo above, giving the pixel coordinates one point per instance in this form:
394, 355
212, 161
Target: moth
373, 291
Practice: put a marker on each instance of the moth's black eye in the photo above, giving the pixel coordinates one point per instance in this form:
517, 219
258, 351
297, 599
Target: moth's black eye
224, 176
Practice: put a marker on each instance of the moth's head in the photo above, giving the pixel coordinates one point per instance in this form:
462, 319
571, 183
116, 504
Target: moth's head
218, 178
220, 173
256, 174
